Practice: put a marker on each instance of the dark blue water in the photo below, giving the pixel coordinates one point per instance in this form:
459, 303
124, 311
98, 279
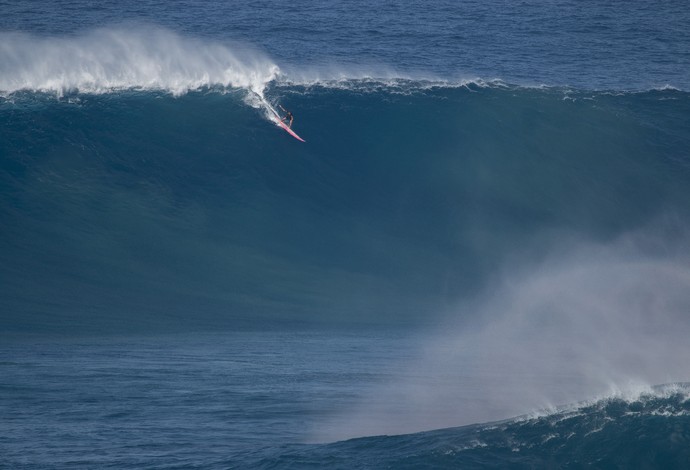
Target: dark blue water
489, 219
180, 399
613, 44
263, 400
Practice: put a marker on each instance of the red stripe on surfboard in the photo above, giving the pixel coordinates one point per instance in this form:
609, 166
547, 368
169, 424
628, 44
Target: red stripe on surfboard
290, 131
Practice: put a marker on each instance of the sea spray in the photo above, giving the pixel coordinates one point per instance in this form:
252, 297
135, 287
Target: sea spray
589, 320
122, 58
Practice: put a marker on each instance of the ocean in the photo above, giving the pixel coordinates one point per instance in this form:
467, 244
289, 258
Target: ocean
477, 259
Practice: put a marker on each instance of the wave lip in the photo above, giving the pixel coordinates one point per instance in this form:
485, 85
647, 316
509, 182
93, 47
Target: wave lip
108, 59
672, 399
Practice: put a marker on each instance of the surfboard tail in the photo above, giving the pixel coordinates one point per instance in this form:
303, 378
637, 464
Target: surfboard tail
278, 120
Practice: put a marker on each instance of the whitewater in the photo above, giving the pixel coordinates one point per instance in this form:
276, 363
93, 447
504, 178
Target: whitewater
478, 259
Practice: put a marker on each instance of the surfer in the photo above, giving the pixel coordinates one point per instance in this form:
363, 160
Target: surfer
288, 115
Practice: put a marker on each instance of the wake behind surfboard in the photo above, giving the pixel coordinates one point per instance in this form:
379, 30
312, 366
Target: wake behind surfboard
275, 117
290, 131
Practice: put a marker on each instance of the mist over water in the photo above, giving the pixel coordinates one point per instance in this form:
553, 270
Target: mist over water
620, 45
128, 57
589, 321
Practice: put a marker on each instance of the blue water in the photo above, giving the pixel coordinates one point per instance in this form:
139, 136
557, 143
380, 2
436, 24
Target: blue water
614, 44
182, 399
477, 259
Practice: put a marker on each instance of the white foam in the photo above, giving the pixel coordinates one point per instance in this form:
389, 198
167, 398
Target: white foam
142, 58
374, 80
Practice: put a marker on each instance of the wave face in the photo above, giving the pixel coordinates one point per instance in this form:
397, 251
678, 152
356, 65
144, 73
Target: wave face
650, 430
131, 208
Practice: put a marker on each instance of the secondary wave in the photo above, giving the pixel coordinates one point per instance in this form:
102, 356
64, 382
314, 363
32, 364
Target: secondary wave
648, 429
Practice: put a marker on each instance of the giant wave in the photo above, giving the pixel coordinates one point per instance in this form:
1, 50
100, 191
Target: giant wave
542, 230
407, 198
140, 179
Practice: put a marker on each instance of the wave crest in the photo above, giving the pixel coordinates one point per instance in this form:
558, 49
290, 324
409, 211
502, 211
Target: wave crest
109, 59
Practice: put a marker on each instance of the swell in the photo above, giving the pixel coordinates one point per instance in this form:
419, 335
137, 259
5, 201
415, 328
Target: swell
651, 429
136, 209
